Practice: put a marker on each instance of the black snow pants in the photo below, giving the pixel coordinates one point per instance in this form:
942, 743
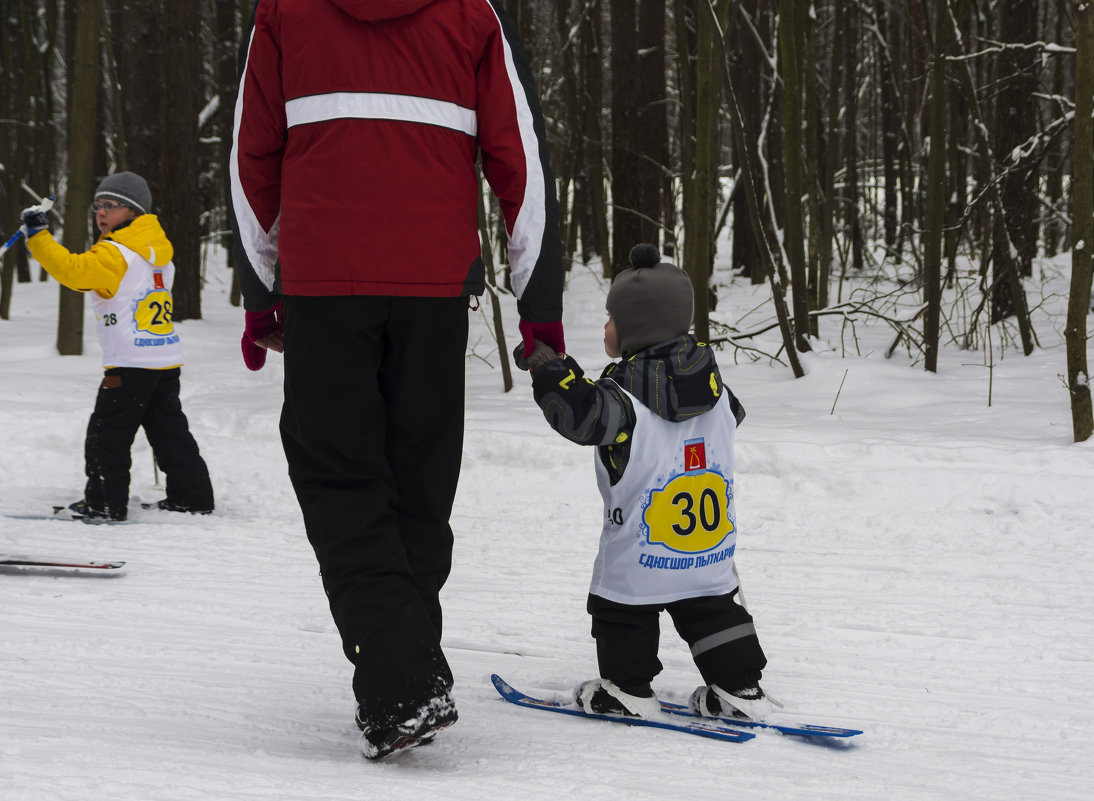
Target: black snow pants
373, 433
130, 398
719, 631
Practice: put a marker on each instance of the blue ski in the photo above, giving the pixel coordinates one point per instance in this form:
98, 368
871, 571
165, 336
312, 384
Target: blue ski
801, 730
711, 729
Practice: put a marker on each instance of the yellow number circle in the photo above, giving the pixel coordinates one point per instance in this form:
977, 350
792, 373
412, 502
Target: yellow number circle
154, 313
691, 513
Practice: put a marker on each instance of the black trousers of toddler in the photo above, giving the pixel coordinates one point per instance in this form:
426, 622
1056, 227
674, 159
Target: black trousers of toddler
131, 398
719, 631
373, 433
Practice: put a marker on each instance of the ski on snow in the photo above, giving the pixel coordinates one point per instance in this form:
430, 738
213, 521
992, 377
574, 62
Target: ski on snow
800, 730
676, 718
703, 729
59, 515
21, 564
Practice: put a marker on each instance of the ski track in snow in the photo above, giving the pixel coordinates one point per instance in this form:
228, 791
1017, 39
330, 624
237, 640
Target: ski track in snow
918, 565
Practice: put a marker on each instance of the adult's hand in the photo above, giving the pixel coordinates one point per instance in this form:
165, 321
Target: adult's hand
262, 331
550, 334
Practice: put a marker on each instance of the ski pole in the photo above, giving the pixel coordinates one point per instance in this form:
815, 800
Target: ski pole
45, 205
39, 199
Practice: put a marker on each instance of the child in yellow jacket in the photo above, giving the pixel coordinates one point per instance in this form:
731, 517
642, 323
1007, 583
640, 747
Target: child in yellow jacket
128, 274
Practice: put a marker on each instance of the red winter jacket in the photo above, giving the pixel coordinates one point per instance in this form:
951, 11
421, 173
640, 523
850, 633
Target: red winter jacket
357, 127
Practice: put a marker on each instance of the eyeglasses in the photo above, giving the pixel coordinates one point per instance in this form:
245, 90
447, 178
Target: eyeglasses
106, 205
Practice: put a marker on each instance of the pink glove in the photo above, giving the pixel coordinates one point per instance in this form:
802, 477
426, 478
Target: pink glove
262, 331
547, 333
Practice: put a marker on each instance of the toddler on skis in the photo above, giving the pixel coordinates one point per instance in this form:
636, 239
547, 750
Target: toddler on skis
129, 274
663, 424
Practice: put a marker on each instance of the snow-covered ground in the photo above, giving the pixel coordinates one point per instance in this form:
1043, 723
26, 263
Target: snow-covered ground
918, 563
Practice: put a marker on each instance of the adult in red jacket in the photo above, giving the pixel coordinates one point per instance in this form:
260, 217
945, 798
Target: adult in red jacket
355, 200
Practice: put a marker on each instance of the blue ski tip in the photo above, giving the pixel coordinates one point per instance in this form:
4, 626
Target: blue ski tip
798, 730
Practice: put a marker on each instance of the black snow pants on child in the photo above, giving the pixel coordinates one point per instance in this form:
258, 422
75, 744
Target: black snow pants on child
129, 398
719, 631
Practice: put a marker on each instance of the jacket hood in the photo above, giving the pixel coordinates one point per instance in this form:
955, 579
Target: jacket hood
146, 236
372, 10
676, 379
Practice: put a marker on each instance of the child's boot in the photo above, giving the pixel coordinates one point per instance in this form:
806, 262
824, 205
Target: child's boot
604, 697
711, 701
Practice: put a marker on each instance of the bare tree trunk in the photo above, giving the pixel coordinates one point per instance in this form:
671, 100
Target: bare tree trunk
906, 61
698, 227
569, 160
686, 44
830, 159
700, 165
27, 130
592, 101
749, 157
1003, 248
1053, 230
747, 66
115, 144
791, 51
936, 188
850, 194
83, 91
890, 135
626, 158
491, 283
14, 111
180, 195
36, 142
523, 15
813, 196
159, 67
957, 155
1015, 124
225, 46
1078, 373
652, 134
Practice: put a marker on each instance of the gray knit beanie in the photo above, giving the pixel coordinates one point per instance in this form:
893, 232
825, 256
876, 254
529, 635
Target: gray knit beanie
128, 188
650, 302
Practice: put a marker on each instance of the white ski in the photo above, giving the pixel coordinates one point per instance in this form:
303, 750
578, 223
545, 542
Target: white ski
24, 564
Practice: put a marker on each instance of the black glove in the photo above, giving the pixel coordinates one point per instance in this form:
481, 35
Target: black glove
34, 220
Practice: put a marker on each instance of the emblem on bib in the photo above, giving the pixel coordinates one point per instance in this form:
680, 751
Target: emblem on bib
695, 454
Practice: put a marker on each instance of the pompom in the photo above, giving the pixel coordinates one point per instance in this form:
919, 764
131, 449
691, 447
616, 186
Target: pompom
645, 255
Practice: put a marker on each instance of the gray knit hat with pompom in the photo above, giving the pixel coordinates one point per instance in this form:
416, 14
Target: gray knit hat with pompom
650, 302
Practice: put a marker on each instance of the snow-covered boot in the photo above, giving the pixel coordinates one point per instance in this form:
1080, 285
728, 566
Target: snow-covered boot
711, 701
604, 697
419, 729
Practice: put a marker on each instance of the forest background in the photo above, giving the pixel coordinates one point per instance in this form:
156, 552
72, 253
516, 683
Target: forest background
903, 161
